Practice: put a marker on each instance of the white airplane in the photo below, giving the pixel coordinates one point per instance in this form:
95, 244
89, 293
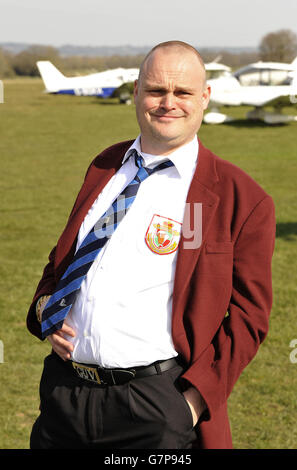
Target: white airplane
101, 84
260, 84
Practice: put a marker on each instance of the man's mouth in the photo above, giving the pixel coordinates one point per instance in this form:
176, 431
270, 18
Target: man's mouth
165, 117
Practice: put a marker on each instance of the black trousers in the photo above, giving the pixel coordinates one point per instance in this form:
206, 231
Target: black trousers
145, 413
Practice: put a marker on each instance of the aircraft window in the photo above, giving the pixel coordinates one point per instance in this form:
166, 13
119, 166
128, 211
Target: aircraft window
279, 77
250, 78
258, 77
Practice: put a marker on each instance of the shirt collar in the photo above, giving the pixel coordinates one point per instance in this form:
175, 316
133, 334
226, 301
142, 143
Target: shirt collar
184, 158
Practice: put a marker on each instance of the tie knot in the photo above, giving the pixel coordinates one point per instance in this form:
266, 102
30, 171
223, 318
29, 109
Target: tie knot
138, 160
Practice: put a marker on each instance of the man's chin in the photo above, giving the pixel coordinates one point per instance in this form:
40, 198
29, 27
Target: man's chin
168, 142
168, 136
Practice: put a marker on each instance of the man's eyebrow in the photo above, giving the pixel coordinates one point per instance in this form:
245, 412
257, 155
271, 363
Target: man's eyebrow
154, 85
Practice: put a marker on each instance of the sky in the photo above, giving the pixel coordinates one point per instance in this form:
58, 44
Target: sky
202, 23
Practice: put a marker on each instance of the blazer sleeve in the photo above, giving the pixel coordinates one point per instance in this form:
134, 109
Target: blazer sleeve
46, 286
245, 326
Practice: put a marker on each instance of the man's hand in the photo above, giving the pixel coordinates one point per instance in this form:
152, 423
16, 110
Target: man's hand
60, 344
195, 402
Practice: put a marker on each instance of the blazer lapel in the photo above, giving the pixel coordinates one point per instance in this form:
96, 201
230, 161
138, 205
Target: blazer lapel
205, 177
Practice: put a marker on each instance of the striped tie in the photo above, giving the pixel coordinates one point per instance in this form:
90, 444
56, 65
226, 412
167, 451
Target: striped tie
67, 288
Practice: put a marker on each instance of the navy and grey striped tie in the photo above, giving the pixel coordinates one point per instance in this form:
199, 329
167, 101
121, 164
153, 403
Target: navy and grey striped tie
67, 288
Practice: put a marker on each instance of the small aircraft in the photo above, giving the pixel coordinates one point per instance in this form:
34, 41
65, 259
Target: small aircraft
101, 84
260, 84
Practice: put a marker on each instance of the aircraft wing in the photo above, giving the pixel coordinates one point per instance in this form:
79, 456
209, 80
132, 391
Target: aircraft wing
268, 96
228, 92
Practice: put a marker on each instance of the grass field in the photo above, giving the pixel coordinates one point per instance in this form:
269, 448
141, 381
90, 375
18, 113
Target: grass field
40, 136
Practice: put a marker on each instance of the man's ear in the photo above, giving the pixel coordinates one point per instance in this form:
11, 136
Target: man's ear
135, 92
206, 97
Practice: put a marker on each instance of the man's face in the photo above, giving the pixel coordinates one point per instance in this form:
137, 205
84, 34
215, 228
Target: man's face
170, 98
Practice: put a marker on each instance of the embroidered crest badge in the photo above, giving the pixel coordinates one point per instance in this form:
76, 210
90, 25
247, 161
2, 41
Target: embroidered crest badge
163, 235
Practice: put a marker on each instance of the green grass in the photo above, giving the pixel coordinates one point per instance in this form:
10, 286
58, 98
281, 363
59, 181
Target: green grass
46, 144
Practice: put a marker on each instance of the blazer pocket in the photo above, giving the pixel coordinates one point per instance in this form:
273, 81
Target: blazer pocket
219, 247
217, 260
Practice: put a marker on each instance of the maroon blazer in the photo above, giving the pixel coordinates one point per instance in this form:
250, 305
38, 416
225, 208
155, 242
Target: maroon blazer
222, 290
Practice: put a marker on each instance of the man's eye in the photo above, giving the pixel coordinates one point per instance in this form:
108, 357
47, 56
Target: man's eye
155, 92
183, 93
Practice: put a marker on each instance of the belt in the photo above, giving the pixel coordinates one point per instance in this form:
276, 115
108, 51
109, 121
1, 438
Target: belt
104, 377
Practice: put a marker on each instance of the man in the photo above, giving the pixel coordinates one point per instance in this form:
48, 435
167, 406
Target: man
151, 329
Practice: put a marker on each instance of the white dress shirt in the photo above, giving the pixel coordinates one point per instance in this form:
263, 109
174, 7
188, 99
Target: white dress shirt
122, 314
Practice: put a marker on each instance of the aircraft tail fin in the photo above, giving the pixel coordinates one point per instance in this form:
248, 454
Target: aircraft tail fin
294, 63
53, 79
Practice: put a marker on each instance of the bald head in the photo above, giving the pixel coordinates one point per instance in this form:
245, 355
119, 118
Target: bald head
170, 97
177, 47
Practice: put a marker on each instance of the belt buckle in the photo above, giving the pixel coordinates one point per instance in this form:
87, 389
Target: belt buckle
87, 373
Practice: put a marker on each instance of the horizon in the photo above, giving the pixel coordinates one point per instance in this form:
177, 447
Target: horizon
22, 45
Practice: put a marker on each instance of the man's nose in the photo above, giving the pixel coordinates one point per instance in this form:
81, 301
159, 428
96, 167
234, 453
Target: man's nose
168, 101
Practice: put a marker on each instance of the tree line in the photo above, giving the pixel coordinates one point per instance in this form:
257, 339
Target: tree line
279, 46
